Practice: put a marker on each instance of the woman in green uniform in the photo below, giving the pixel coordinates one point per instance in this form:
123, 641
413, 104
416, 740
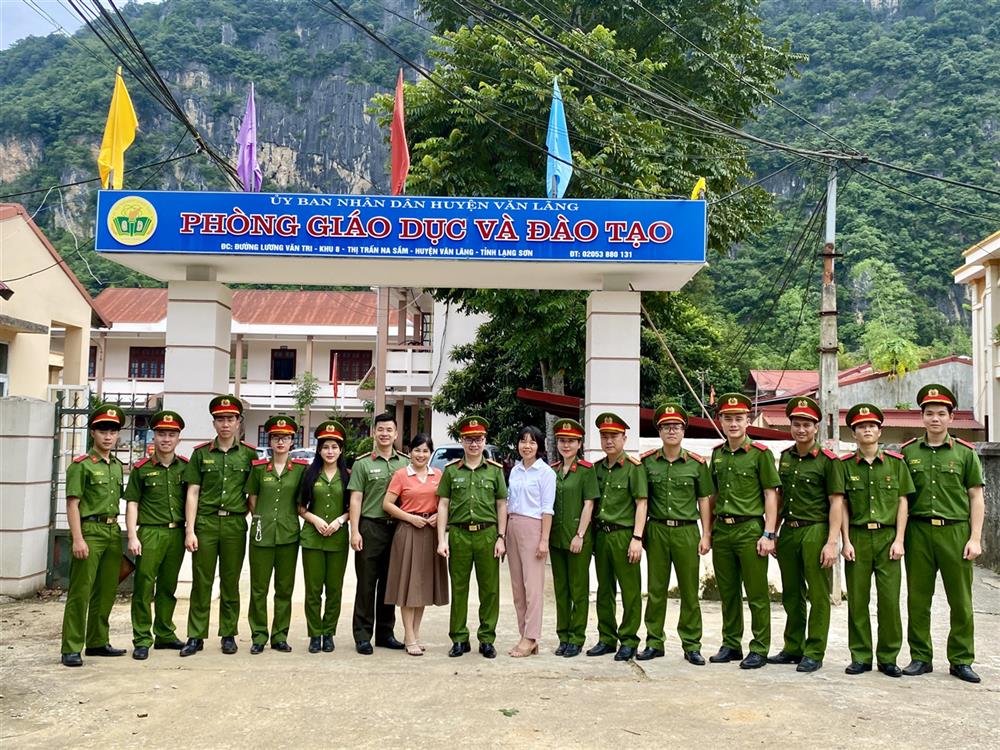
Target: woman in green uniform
323, 504
571, 543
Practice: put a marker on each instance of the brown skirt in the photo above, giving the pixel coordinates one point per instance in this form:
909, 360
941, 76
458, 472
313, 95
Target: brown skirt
418, 575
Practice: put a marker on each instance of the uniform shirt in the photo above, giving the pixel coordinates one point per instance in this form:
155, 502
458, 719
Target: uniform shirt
741, 476
873, 490
275, 515
579, 484
806, 482
942, 476
158, 490
675, 486
329, 502
222, 475
96, 482
472, 493
622, 483
414, 496
532, 491
370, 476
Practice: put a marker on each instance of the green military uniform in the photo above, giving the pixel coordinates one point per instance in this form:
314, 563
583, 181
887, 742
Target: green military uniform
274, 537
575, 486
220, 526
370, 475
872, 491
622, 483
936, 535
159, 492
806, 482
472, 535
740, 477
97, 483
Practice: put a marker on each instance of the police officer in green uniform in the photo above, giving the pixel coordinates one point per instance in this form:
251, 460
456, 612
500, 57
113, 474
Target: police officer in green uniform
807, 542
621, 520
571, 541
93, 490
472, 523
216, 524
154, 518
680, 492
875, 483
272, 496
746, 519
943, 533
372, 530
324, 539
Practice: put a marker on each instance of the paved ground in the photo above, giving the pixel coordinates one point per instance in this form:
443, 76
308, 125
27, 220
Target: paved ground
394, 700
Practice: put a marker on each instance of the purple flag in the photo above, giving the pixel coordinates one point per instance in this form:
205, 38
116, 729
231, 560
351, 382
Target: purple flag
246, 163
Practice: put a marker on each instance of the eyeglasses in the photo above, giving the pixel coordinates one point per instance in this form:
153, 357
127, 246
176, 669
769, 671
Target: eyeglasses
474, 440
672, 427
282, 438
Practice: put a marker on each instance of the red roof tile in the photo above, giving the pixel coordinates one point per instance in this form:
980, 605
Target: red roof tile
774, 415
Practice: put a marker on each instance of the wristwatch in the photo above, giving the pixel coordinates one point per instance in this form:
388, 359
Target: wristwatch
637, 537
579, 535
769, 535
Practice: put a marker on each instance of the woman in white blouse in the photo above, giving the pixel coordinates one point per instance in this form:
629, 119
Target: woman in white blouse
530, 497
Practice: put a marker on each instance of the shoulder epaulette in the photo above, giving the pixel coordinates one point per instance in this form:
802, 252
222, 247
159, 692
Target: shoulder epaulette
251, 446
202, 445
78, 459
966, 443
634, 460
494, 463
453, 461
261, 461
141, 462
647, 454
555, 464
585, 464
697, 457
846, 456
893, 454
759, 446
911, 440
185, 459
829, 453
301, 461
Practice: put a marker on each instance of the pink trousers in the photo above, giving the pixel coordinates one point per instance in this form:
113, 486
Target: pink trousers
527, 573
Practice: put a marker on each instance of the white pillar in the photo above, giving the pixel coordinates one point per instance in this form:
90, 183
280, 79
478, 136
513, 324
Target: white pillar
612, 365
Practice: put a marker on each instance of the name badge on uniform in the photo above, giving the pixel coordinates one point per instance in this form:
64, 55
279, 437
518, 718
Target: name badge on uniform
208, 461
459, 480
375, 470
152, 474
268, 479
854, 478
914, 461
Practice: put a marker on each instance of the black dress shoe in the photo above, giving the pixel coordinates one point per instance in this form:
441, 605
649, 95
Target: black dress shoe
488, 650
600, 649
106, 650
783, 657
256, 648
963, 672
174, 645
459, 647
328, 643
229, 645
140, 653
571, 650
648, 653
71, 660
809, 665
281, 646
726, 654
560, 649
753, 661
625, 653
364, 647
695, 657
916, 667
192, 646
390, 642
857, 667
890, 670
315, 644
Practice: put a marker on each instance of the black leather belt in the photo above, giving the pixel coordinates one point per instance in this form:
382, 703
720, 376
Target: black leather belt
171, 525
607, 528
872, 526
471, 526
938, 521
101, 519
384, 521
224, 513
797, 523
733, 520
672, 522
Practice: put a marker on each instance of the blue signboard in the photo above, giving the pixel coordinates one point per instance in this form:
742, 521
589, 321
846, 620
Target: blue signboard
402, 227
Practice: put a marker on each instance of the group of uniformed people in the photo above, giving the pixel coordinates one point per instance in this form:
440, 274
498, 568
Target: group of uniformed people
876, 507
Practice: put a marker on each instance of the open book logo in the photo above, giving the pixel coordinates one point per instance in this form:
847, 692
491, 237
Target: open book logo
132, 220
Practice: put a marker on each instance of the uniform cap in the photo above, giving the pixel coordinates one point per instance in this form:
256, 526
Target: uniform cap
934, 393
472, 426
167, 420
804, 407
734, 403
220, 406
568, 428
669, 412
610, 422
330, 429
106, 416
861, 413
280, 425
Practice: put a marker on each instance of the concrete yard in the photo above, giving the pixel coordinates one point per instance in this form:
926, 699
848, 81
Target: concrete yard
394, 700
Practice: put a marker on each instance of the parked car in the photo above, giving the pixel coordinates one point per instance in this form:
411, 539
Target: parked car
263, 452
307, 454
447, 453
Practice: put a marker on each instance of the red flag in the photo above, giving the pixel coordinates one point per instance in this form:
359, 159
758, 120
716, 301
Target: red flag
334, 376
397, 139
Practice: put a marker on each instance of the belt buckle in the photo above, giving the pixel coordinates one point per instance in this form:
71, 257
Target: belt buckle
871, 526
110, 520
672, 522
937, 522
729, 520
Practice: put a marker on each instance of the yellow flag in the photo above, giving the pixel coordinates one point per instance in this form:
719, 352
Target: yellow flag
119, 132
699, 188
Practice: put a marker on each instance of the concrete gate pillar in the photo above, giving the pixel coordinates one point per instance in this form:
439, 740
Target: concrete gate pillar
612, 365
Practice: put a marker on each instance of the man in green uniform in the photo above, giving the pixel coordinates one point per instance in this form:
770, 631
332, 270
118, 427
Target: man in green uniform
272, 496
621, 520
944, 533
571, 542
372, 531
746, 517
472, 523
875, 483
216, 524
680, 492
154, 518
807, 544
93, 490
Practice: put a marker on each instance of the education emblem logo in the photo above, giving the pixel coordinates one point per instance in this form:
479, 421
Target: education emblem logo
132, 220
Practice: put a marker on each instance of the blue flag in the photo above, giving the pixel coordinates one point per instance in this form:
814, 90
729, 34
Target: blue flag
557, 173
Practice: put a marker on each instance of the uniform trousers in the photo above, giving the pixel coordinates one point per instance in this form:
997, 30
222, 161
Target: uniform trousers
804, 579
468, 550
571, 582
221, 539
871, 557
93, 583
155, 584
614, 570
280, 560
675, 546
371, 566
321, 571
738, 567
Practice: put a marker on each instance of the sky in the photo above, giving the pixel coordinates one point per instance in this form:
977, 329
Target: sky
21, 18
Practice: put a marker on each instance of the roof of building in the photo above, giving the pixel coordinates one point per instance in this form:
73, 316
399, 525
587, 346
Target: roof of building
774, 415
12, 210
253, 307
